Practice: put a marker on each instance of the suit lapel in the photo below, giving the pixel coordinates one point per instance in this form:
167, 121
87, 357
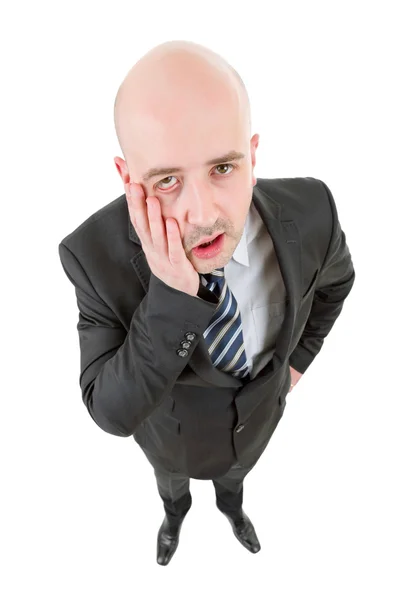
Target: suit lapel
287, 244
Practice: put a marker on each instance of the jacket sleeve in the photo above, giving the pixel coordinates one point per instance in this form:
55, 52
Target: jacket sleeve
125, 375
334, 282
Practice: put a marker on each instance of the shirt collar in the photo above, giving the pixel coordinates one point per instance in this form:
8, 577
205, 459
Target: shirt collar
252, 226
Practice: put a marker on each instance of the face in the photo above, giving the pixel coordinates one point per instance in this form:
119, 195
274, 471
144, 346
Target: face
204, 199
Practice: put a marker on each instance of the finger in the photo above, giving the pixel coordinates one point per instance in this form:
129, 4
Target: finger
157, 227
176, 252
138, 212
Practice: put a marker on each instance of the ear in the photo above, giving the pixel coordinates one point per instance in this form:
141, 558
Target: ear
253, 147
123, 172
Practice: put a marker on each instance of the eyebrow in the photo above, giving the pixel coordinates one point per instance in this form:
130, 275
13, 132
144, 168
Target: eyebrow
232, 155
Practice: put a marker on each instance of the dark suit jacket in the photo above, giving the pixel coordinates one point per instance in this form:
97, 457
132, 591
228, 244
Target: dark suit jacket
145, 369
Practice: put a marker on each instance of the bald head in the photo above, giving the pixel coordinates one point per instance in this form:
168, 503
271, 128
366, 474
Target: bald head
177, 80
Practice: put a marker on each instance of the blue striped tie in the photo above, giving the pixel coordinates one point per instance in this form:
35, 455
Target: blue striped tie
224, 334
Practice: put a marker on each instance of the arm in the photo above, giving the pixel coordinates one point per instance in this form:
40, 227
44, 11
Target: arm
334, 282
125, 375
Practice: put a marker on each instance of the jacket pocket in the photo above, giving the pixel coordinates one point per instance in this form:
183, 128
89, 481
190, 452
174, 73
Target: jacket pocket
170, 423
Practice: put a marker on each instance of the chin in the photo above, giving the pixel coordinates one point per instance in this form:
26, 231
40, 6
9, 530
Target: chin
206, 266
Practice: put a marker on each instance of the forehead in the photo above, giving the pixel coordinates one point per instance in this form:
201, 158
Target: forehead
184, 143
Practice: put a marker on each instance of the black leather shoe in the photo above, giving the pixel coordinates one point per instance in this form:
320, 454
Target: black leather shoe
244, 530
168, 540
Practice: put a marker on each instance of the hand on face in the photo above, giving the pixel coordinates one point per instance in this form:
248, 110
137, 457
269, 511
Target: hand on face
161, 242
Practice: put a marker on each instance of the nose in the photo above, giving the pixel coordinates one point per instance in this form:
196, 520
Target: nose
201, 208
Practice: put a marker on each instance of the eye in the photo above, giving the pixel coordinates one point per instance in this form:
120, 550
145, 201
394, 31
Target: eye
226, 165
165, 180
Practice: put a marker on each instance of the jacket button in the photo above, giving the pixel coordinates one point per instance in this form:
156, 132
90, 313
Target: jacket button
190, 336
239, 428
182, 352
186, 344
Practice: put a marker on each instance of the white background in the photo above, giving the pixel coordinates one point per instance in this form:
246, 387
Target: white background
80, 510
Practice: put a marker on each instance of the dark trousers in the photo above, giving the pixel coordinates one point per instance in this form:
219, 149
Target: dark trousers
175, 494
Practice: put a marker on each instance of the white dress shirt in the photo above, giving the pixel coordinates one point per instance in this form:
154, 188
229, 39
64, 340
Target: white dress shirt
254, 277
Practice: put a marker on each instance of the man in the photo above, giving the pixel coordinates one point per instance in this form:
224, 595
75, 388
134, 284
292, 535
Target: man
192, 349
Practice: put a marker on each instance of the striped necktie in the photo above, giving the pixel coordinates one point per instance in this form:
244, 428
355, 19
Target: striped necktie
224, 334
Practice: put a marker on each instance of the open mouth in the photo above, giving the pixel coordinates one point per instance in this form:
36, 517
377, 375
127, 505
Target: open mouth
211, 248
209, 242
206, 244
